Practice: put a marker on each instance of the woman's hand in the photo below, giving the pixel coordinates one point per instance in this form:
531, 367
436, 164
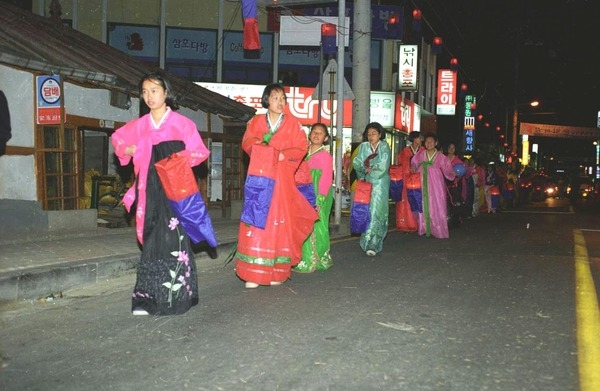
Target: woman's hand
368, 171
281, 157
130, 150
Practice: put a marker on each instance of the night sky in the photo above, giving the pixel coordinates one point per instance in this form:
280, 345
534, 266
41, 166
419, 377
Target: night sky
545, 50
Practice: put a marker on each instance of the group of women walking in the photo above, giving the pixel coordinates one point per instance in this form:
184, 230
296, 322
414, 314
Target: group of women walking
281, 227
422, 206
284, 225
294, 232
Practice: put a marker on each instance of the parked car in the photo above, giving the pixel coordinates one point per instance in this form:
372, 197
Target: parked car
539, 186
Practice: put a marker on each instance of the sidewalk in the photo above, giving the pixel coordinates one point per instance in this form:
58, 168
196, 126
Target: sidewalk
41, 264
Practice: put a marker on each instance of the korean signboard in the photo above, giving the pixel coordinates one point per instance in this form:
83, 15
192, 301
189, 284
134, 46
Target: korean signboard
407, 67
469, 125
299, 99
543, 130
382, 108
48, 101
446, 92
380, 16
407, 115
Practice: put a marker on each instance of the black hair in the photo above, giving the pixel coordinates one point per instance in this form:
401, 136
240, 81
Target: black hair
413, 135
158, 78
327, 136
377, 126
267, 92
432, 135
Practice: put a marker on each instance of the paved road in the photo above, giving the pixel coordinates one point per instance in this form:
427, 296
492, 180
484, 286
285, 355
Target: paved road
493, 308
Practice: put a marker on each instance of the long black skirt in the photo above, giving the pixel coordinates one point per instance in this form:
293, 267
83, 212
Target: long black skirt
167, 280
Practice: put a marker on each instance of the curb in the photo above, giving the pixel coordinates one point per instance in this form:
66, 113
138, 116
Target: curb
54, 279
47, 280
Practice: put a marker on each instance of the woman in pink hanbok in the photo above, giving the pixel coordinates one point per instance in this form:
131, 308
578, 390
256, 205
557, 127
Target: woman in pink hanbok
434, 166
166, 282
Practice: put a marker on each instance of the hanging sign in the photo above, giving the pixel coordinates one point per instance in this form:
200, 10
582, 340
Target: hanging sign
446, 92
469, 125
48, 100
407, 67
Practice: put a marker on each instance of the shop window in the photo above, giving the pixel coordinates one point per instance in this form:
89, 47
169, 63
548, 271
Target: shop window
57, 159
233, 176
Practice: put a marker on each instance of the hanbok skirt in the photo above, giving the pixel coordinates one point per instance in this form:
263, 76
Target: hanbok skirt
167, 281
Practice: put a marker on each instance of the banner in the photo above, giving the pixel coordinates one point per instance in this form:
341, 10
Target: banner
562, 131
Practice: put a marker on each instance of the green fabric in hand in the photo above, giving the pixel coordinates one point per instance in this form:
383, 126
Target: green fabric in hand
267, 137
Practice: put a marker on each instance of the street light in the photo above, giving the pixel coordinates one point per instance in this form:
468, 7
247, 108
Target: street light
515, 123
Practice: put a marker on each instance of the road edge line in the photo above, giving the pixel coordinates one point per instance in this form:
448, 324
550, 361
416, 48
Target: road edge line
588, 318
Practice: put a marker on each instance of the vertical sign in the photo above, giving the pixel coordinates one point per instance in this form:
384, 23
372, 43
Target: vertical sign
407, 115
48, 99
446, 92
469, 125
407, 68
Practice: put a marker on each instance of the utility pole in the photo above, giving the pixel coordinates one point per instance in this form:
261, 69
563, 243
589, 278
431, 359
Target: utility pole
340, 113
515, 119
361, 71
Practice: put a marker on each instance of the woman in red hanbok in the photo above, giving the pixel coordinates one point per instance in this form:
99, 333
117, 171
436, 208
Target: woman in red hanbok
406, 219
266, 255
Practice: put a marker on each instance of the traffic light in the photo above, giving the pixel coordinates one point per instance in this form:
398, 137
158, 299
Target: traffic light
328, 36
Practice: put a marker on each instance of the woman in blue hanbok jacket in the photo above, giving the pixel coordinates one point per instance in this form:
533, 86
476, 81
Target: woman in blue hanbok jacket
372, 163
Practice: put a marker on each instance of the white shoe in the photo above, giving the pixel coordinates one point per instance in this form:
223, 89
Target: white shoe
371, 253
251, 284
273, 283
139, 311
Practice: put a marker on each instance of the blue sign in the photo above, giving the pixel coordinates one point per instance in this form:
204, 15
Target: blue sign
233, 48
380, 14
191, 44
138, 41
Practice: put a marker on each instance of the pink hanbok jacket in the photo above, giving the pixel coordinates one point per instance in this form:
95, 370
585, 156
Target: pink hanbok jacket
143, 133
433, 221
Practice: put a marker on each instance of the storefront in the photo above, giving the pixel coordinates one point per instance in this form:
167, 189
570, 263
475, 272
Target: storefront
228, 161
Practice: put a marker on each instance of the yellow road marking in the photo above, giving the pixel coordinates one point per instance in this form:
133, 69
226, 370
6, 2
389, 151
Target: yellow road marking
588, 318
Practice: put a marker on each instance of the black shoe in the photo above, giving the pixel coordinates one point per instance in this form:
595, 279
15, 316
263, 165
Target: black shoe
212, 252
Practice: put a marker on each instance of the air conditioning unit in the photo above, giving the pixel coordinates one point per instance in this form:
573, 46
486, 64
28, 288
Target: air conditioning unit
120, 99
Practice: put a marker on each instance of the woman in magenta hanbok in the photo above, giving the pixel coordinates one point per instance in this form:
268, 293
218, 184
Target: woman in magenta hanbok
434, 166
166, 282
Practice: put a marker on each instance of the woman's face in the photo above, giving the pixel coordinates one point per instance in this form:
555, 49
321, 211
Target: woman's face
451, 149
154, 94
317, 136
417, 142
430, 143
373, 136
277, 101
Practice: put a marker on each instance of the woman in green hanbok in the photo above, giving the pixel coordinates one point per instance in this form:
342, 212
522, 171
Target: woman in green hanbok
315, 250
372, 163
